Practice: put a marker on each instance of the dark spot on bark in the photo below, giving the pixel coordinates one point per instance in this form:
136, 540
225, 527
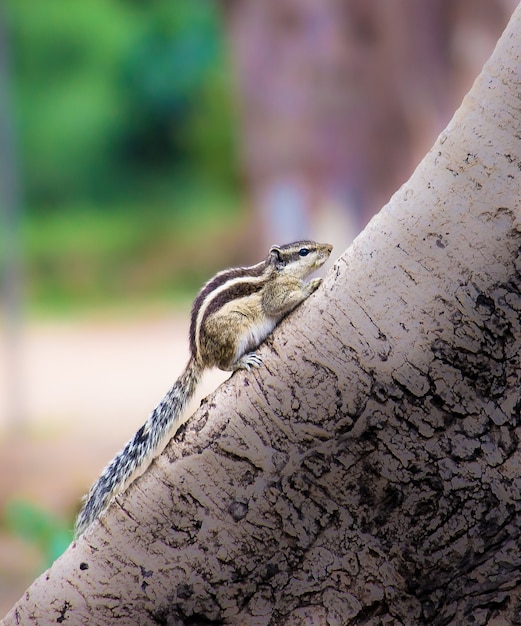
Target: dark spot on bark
366, 494
238, 509
66, 606
317, 464
379, 392
392, 498
483, 301
437, 401
370, 435
84, 566
383, 356
435, 483
146, 573
374, 610
272, 569
425, 509
247, 478
184, 591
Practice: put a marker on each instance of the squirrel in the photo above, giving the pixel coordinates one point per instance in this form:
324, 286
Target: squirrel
232, 315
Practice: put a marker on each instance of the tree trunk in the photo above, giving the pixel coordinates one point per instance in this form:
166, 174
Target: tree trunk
369, 472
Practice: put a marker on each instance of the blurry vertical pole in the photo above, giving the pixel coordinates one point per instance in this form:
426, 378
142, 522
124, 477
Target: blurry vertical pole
10, 263
339, 98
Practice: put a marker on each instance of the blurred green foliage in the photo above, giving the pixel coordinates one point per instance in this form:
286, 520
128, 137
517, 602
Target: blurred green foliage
120, 256
125, 126
38, 527
110, 94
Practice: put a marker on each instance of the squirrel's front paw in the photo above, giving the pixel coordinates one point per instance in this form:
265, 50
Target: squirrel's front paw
314, 284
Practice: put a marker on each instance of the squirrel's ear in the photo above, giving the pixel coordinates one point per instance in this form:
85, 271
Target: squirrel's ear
275, 257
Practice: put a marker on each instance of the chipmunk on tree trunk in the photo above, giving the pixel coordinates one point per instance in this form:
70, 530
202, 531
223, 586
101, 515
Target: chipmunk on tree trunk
231, 316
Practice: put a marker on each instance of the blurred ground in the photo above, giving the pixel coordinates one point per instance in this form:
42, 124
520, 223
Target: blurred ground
87, 385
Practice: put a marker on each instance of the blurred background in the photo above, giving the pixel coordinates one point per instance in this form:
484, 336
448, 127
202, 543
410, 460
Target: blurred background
146, 145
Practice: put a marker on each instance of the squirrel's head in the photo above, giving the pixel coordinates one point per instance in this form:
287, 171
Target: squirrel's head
299, 258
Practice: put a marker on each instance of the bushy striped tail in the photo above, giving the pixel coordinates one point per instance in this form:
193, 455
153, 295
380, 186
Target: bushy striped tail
140, 450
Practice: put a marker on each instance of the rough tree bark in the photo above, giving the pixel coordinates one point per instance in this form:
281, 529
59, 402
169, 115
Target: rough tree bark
369, 473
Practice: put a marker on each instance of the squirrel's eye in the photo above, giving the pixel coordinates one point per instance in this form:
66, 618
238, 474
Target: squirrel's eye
303, 251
